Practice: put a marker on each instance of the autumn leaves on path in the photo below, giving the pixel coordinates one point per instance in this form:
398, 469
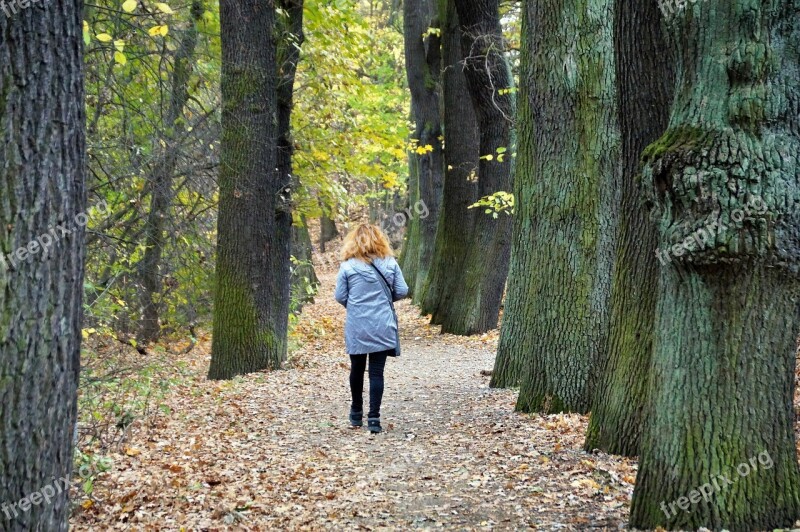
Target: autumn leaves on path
273, 450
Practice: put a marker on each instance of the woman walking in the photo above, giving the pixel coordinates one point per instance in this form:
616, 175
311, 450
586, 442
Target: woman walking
368, 284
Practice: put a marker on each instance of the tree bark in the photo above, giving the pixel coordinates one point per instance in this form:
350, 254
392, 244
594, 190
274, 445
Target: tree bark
290, 39
645, 84
725, 181
42, 175
476, 298
556, 315
327, 232
249, 330
462, 144
304, 277
161, 181
423, 70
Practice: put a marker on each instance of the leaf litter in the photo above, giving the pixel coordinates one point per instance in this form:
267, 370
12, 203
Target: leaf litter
273, 450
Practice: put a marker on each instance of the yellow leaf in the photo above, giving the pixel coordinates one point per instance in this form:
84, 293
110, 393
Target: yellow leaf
120, 58
129, 6
119, 44
130, 451
87, 504
164, 30
158, 30
104, 37
164, 8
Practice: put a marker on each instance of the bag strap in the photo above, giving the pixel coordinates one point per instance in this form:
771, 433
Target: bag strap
386, 284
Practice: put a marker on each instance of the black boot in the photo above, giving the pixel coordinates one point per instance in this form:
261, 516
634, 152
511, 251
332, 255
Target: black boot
374, 425
356, 418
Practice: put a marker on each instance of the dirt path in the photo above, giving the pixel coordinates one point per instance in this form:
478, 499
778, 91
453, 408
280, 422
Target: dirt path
273, 450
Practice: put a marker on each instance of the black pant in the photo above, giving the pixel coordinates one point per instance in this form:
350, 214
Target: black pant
358, 364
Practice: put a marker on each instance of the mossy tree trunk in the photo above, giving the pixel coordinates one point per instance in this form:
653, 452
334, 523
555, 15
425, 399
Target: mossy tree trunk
42, 241
645, 84
161, 181
726, 181
556, 315
249, 330
462, 144
423, 69
474, 304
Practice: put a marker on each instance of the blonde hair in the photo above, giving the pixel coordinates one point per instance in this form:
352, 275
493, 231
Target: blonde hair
366, 242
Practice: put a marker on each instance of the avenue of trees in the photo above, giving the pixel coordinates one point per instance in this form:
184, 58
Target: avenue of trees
618, 191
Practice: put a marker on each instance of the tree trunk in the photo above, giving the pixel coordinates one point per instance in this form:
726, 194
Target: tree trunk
423, 69
161, 181
462, 143
42, 173
726, 182
327, 231
290, 40
645, 81
249, 332
475, 303
556, 315
304, 277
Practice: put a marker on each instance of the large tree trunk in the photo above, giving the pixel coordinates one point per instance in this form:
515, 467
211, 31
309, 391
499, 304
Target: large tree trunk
645, 81
475, 301
161, 181
456, 221
42, 160
426, 170
556, 316
726, 181
249, 332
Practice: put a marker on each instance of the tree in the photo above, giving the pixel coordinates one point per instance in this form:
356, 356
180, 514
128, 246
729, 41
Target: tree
42, 173
426, 165
645, 81
556, 314
249, 331
472, 303
725, 181
161, 179
456, 221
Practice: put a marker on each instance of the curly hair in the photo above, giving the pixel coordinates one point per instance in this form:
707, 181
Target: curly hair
366, 242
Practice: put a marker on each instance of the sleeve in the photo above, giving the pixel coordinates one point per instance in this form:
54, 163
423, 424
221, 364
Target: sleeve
342, 288
400, 287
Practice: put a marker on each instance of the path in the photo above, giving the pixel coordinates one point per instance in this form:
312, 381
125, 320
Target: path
273, 450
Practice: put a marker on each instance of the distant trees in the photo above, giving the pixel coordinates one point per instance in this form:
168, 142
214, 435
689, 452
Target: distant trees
250, 316
161, 179
42, 176
725, 181
556, 315
464, 286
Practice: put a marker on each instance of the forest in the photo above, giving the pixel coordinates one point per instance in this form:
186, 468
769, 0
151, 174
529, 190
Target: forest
595, 205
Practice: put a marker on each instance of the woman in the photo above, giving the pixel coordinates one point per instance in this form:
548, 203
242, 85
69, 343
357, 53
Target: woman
368, 283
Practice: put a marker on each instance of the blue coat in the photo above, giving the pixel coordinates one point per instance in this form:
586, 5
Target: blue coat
370, 326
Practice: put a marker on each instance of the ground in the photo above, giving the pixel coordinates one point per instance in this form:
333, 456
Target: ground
274, 450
